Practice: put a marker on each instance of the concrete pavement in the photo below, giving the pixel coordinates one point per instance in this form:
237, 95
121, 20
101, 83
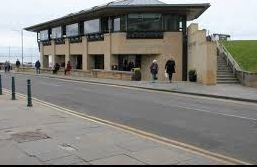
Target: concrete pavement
42, 136
222, 91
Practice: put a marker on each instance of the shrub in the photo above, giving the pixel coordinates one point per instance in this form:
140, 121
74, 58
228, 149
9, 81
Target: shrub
192, 76
137, 76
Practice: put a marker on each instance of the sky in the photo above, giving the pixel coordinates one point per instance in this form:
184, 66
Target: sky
234, 17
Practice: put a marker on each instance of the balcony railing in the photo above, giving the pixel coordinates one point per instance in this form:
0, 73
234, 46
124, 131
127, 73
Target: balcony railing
59, 41
77, 39
145, 35
46, 43
95, 37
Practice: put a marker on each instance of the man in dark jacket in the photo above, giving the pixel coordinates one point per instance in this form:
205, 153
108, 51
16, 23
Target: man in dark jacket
18, 64
154, 70
170, 68
38, 66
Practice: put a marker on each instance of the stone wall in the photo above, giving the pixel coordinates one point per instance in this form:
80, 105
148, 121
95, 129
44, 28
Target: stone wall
202, 55
247, 78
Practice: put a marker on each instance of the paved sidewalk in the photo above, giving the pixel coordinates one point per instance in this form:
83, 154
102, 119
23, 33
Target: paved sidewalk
233, 92
44, 136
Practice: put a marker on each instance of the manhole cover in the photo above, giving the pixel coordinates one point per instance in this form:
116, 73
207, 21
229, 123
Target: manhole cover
29, 136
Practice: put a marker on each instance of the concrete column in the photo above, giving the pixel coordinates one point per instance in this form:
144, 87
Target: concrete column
67, 51
107, 54
85, 54
53, 51
42, 55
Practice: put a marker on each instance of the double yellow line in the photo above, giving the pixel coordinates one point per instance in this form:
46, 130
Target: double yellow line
149, 136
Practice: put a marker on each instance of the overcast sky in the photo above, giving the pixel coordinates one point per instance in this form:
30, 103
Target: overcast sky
235, 17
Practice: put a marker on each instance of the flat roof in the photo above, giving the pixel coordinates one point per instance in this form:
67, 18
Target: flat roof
192, 11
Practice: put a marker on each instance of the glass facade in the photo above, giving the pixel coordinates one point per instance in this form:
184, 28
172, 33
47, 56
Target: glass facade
144, 22
72, 30
92, 26
56, 33
44, 35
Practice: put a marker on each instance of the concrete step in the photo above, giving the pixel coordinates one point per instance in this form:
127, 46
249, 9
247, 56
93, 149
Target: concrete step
226, 76
228, 82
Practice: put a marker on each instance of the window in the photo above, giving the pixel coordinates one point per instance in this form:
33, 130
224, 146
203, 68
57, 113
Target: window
72, 30
92, 26
116, 24
144, 22
171, 23
56, 33
44, 36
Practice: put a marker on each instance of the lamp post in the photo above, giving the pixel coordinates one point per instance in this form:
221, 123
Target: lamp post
22, 56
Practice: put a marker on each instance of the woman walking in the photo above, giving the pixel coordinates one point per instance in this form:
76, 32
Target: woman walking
170, 68
154, 70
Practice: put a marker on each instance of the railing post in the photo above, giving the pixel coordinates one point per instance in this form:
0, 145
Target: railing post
13, 89
29, 93
1, 89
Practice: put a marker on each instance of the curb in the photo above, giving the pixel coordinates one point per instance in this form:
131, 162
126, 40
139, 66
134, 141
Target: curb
153, 89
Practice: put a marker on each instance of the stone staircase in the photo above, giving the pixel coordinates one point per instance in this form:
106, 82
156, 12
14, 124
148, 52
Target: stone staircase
225, 74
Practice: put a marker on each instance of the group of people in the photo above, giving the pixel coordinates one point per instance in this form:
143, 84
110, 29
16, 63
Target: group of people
56, 67
7, 67
170, 69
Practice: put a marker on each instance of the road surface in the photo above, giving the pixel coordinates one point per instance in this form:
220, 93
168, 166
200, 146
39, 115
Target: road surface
220, 126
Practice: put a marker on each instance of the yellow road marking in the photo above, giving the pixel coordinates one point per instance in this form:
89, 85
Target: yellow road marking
143, 134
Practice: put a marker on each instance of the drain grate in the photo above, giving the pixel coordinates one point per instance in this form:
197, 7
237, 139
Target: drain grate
29, 136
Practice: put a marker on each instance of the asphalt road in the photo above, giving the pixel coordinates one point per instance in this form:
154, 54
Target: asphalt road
225, 127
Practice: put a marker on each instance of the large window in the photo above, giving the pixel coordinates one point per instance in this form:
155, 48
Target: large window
56, 33
92, 26
116, 25
171, 23
145, 22
72, 30
44, 35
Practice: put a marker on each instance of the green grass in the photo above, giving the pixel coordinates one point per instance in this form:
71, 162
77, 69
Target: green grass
244, 52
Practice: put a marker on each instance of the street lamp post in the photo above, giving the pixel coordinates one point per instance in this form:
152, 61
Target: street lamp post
22, 47
22, 54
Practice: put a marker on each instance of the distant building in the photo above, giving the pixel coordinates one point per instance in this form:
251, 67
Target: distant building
221, 37
119, 33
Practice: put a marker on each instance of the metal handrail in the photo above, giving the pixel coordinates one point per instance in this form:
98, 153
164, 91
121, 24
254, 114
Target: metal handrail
229, 58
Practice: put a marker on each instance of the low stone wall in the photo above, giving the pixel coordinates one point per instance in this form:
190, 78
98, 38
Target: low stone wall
247, 78
116, 75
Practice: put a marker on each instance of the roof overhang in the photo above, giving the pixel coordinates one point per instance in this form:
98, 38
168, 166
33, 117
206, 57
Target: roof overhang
192, 11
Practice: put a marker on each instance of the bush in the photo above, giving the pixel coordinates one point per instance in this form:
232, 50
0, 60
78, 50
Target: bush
192, 76
137, 76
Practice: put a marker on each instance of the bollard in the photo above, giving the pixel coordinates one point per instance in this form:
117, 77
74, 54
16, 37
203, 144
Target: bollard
1, 89
13, 89
29, 93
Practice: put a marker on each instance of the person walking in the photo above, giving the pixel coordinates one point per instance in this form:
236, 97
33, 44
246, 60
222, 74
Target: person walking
68, 68
18, 64
154, 70
38, 66
170, 68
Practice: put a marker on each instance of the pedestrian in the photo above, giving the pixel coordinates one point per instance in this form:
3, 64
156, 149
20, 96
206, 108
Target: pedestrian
56, 68
9, 67
68, 68
170, 68
18, 64
5, 67
38, 66
154, 70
